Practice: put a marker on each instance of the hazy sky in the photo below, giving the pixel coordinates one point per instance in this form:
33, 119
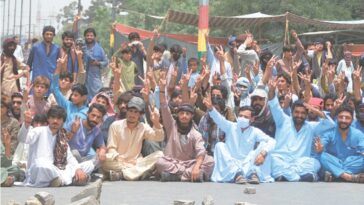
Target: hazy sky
48, 10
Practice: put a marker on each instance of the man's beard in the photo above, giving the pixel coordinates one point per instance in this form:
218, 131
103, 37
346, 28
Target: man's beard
344, 126
122, 115
90, 41
9, 52
91, 123
183, 129
296, 121
257, 109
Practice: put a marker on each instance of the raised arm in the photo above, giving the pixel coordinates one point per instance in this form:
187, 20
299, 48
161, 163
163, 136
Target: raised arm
278, 114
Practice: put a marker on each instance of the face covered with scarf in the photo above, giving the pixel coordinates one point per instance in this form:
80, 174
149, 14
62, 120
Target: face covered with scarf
9, 47
242, 87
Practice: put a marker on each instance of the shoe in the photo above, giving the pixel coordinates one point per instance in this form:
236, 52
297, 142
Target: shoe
168, 177
280, 179
56, 182
77, 183
253, 179
240, 180
309, 177
327, 176
358, 178
115, 175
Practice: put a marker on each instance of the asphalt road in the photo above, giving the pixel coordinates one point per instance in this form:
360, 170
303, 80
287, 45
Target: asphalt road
149, 192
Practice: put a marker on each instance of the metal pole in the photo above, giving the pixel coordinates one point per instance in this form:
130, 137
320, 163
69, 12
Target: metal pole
30, 18
14, 17
3, 31
7, 30
21, 19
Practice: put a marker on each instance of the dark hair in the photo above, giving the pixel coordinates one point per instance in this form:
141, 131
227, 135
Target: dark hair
298, 103
65, 75
176, 93
287, 48
159, 48
34, 40
98, 107
57, 111
89, 30
361, 60
49, 28
333, 61
286, 77
329, 96
193, 60
16, 95
68, 34
80, 88
223, 90
345, 108
175, 48
39, 118
244, 108
103, 97
124, 97
126, 50
133, 36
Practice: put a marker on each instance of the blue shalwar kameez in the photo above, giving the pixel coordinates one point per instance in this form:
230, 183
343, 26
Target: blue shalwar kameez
292, 155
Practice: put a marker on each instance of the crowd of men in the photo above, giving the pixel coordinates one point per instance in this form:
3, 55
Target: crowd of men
238, 115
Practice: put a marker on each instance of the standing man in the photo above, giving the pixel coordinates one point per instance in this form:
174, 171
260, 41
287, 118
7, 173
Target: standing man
43, 56
50, 161
73, 57
95, 60
138, 54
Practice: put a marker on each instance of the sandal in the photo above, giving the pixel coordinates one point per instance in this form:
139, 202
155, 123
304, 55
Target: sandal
240, 180
8, 182
253, 179
328, 176
358, 178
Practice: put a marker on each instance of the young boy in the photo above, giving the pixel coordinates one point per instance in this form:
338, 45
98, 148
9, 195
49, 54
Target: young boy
77, 105
36, 102
129, 69
192, 67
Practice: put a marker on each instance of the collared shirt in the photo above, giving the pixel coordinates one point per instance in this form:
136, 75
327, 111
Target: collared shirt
84, 139
334, 145
126, 144
293, 144
41, 62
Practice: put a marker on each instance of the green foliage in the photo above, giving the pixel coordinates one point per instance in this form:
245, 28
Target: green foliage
99, 14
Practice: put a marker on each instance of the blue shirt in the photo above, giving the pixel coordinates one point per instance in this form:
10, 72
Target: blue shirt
356, 124
71, 109
84, 139
42, 63
334, 145
293, 144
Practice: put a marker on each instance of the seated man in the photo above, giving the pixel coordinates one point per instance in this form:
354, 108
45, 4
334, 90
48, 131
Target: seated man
125, 140
50, 161
84, 134
341, 150
236, 159
294, 135
185, 157
9, 173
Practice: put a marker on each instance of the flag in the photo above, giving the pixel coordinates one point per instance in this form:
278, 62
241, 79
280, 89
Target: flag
203, 26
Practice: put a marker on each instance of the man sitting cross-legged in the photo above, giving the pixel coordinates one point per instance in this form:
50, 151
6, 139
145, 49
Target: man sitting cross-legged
125, 140
50, 161
185, 157
341, 150
236, 159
